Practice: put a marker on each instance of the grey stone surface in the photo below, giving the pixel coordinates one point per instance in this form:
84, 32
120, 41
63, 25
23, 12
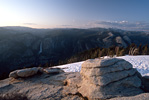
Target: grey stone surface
125, 87
119, 66
108, 78
27, 72
95, 63
42, 87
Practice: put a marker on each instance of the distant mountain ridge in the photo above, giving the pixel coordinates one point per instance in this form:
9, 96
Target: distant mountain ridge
26, 46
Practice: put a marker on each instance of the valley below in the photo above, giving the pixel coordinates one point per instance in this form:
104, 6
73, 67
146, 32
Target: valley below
22, 47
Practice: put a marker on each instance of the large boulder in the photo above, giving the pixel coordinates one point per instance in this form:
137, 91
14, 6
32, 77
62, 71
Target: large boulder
107, 78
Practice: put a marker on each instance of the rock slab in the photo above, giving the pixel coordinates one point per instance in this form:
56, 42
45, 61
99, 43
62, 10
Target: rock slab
24, 72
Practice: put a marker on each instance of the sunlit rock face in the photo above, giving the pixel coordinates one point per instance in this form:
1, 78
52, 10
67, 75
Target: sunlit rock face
106, 78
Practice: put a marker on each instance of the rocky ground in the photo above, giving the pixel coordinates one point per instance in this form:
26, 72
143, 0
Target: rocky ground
54, 84
42, 87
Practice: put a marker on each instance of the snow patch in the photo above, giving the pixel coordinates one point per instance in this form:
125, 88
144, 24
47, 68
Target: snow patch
141, 63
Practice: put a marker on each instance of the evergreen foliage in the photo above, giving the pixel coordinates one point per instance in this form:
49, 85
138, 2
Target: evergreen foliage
133, 49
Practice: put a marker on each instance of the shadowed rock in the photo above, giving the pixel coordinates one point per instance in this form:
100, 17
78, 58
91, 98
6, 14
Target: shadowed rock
53, 70
146, 83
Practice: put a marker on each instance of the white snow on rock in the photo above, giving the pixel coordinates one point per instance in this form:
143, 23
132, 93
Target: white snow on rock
73, 67
141, 63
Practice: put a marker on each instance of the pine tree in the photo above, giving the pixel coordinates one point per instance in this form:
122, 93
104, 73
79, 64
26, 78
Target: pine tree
139, 49
117, 50
99, 53
122, 52
145, 50
103, 52
111, 53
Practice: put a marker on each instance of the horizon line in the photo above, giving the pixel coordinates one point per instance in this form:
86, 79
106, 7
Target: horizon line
78, 28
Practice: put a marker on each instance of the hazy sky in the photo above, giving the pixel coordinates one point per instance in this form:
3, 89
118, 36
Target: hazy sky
75, 13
